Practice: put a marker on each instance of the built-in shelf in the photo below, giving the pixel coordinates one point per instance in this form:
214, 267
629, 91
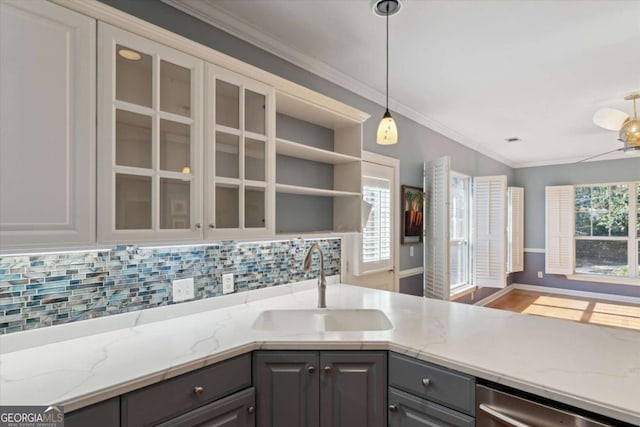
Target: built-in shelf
310, 191
307, 152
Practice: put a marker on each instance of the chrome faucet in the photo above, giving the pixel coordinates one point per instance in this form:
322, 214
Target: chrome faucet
322, 283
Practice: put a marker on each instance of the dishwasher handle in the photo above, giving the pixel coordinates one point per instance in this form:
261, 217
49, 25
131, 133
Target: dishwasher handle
502, 417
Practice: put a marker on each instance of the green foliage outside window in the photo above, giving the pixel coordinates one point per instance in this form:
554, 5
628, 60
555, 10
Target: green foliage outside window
602, 211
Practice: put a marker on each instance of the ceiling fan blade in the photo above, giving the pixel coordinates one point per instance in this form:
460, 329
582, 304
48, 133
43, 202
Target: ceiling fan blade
598, 155
610, 119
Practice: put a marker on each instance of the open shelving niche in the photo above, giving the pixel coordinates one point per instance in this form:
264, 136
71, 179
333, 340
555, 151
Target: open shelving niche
319, 167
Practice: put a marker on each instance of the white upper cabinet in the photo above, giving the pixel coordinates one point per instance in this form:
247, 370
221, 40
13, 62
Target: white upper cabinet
47, 132
239, 156
150, 135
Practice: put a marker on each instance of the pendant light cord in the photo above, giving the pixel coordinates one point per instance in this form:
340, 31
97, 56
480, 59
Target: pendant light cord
387, 79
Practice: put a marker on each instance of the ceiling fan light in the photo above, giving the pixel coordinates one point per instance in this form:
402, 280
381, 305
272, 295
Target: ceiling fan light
610, 119
387, 130
630, 134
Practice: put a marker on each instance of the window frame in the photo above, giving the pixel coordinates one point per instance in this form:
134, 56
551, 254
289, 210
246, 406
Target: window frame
632, 238
467, 234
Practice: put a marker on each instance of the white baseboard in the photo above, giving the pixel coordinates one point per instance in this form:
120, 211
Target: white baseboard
494, 296
557, 291
410, 272
574, 293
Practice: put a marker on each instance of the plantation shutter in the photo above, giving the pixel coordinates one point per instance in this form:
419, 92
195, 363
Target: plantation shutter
490, 231
560, 222
516, 229
436, 237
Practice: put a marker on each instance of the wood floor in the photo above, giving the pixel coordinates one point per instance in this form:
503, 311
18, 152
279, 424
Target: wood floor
599, 312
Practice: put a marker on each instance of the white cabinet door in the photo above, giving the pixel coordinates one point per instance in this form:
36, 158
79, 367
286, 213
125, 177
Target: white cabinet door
240, 153
149, 141
47, 133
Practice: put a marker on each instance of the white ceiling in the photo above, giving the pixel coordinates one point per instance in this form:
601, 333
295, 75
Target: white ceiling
477, 71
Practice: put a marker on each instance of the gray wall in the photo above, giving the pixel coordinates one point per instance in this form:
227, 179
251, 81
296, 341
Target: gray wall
417, 143
534, 181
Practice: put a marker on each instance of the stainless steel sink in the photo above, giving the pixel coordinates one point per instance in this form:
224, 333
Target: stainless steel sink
323, 320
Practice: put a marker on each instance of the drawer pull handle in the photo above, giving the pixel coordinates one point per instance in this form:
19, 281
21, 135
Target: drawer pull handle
426, 382
327, 369
393, 408
251, 409
311, 369
198, 390
502, 417
212, 226
197, 226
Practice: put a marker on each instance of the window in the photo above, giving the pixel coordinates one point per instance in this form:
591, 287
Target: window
376, 250
376, 237
459, 208
607, 229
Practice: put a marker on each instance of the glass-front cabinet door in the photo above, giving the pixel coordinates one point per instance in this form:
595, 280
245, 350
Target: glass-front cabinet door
150, 140
240, 118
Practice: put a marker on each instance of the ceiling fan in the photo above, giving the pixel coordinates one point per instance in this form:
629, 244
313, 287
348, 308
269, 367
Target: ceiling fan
628, 128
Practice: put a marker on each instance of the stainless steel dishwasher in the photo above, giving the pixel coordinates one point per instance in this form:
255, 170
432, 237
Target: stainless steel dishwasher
496, 408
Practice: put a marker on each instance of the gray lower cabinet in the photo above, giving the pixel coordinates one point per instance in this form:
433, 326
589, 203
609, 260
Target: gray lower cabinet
237, 410
325, 389
423, 394
287, 387
171, 398
406, 410
103, 414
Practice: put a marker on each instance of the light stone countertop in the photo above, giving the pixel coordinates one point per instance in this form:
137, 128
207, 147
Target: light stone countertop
590, 367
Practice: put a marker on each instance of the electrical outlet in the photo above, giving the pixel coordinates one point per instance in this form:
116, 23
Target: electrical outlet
183, 289
540, 275
227, 283
410, 250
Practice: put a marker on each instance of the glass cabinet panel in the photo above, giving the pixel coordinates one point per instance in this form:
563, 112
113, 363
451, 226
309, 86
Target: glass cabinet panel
175, 203
133, 202
254, 112
227, 104
150, 144
133, 139
227, 206
254, 159
241, 149
175, 89
254, 207
227, 155
134, 80
175, 146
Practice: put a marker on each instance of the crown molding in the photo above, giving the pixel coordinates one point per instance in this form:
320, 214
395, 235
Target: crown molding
207, 11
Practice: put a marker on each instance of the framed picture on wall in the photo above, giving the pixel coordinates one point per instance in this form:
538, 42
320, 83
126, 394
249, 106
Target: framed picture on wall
412, 214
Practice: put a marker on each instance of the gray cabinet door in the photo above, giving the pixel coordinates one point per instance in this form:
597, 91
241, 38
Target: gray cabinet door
287, 388
353, 389
237, 410
406, 410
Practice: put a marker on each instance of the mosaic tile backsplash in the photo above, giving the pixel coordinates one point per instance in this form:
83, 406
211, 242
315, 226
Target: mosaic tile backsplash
50, 289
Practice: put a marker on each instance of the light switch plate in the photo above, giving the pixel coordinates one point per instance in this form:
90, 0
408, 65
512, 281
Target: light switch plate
227, 283
183, 290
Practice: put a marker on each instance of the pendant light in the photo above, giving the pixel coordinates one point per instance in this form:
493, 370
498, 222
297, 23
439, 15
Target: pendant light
387, 130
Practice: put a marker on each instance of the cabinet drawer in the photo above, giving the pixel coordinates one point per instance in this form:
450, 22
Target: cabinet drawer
440, 385
237, 410
173, 397
408, 410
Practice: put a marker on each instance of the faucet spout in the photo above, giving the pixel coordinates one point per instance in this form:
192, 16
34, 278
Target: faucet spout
322, 283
